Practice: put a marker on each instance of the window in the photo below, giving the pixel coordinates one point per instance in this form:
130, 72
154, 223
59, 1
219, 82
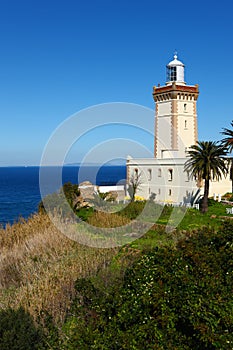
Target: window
159, 173
149, 174
185, 124
135, 172
170, 174
170, 192
185, 107
171, 74
159, 191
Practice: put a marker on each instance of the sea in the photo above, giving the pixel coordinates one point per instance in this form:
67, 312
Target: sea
20, 186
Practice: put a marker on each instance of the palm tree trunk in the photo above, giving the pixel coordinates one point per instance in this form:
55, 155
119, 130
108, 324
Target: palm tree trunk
204, 207
231, 174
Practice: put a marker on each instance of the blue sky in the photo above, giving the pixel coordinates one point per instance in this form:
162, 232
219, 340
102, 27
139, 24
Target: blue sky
60, 57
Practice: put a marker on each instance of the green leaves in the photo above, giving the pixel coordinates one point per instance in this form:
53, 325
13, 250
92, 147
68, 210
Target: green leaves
228, 140
17, 331
207, 161
170, 298
65, 200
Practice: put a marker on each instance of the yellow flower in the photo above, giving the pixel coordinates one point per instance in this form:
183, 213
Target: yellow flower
139, 198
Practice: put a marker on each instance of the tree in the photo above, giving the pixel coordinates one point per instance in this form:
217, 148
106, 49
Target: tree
71, 192
64, 199
207, 161
134, 185
228, 142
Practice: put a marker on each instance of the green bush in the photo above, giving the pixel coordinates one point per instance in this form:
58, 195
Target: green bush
71, 192
18, 332
84, 213
171, 298
133, 210
228, 196
64, 201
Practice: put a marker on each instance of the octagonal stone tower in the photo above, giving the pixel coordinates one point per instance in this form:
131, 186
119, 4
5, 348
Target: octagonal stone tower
175, 114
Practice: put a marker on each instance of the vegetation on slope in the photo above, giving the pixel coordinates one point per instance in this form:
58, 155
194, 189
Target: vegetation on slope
162, 291
39, 266
170, 298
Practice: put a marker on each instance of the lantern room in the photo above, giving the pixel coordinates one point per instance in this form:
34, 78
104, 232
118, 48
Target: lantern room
175, 72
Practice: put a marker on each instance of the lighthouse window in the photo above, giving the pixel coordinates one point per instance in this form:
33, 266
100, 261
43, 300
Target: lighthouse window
173, 73
170, 174
185, 107
149, 174
185, 124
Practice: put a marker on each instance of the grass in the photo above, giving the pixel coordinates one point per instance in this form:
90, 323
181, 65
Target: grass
39, 265
107, 220
214, 217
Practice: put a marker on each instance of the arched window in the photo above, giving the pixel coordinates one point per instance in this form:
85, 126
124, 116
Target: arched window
159, 172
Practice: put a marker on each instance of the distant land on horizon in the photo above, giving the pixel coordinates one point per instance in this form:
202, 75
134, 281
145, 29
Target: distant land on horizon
116, 162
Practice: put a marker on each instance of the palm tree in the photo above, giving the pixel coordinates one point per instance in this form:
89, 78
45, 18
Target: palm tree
206, 161
228, 142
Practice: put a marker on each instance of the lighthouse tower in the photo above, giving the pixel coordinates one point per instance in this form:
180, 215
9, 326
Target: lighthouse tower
163, 175
175, 114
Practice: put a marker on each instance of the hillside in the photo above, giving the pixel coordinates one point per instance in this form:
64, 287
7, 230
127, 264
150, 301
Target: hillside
162, 291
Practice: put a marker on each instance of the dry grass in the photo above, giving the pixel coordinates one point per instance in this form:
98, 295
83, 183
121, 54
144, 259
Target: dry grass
39, 266
107, 220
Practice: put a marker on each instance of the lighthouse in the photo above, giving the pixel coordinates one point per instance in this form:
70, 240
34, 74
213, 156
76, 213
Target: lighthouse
163, 176
175, 113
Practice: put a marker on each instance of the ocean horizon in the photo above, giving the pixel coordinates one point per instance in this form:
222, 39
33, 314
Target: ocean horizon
20, 188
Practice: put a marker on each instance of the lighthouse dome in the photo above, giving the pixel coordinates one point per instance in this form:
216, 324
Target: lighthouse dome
175, 62
175, 71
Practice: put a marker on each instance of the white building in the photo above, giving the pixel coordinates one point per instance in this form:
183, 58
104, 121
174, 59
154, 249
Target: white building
175, 131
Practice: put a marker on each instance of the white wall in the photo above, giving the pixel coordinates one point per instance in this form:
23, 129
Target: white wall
179, 189
176, 189
186, 125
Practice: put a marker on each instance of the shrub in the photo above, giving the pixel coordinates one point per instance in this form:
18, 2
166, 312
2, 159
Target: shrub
84, 213
132, 210
170, 298
228, 196
57, 201
17, 331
